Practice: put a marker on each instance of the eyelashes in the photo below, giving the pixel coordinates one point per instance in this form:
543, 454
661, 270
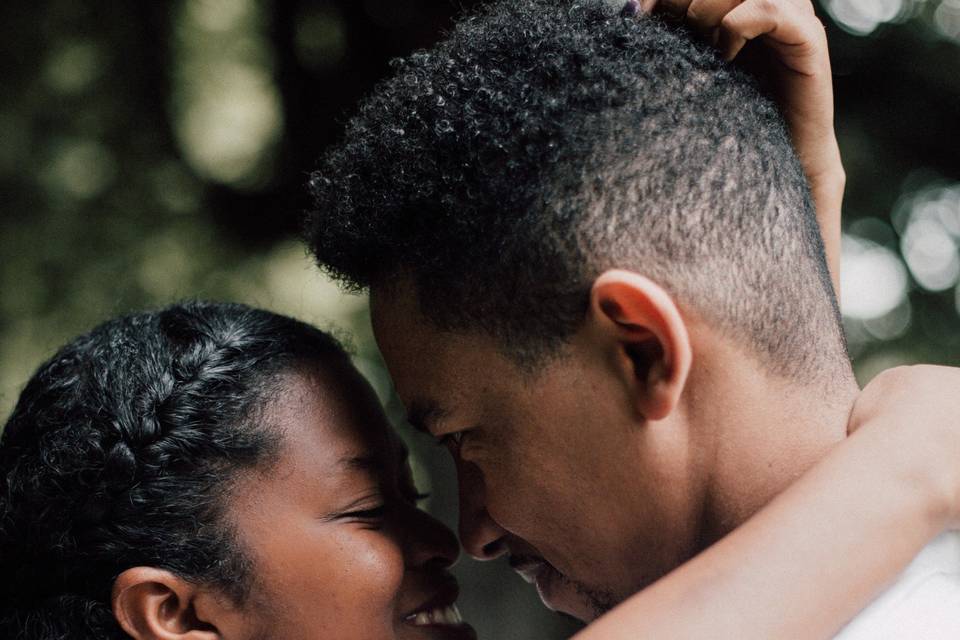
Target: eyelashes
451, 440
379, 512
375, 513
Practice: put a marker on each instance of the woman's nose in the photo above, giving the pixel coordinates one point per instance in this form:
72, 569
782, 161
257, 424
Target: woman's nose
429, 541
480, 534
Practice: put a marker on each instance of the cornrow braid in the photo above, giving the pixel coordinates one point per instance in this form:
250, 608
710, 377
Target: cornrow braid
120, 450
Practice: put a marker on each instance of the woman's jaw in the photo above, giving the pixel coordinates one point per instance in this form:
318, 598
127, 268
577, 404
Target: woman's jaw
338, 544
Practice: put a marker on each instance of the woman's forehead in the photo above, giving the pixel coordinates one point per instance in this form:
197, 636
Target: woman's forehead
337, 418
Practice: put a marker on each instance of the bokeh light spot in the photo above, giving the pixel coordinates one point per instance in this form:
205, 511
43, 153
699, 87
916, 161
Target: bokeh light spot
946, 19
218, 15
224, 132
873, 280
228, 114
74, 66
862, 17
892, 325
931, 254
80, 168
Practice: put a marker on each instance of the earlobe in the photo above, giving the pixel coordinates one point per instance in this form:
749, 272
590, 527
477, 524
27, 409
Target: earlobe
646, 327
155, 604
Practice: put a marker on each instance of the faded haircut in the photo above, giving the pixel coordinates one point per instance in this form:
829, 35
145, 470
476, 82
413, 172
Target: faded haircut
543, 142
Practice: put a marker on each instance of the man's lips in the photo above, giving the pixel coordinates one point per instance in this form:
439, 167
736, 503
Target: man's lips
529, 567
548, 581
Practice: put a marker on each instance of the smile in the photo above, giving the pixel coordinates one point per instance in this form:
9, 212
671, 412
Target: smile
448, 615
439, 615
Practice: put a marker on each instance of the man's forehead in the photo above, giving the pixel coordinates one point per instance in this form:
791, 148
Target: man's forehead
398, 295
410, 343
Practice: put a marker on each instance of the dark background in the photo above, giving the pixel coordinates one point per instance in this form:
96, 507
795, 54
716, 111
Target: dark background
151, 151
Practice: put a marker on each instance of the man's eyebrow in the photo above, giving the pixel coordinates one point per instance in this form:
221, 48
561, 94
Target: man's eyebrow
423, 414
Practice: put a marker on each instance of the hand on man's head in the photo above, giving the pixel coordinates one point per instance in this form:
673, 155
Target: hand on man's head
794, 61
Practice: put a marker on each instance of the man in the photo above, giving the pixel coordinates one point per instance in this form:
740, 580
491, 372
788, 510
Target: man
596, 276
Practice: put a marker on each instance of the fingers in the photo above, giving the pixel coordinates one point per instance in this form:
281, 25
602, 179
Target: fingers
786, 23
732, 23
704, 15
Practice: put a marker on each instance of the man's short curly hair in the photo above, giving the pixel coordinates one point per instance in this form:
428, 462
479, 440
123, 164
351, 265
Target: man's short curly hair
122, 450
543, 142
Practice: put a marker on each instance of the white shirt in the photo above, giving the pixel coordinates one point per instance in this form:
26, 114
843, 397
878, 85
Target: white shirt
924, 602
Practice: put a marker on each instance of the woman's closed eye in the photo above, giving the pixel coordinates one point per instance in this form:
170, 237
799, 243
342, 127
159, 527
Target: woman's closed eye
377, 513
373, 513
372, 508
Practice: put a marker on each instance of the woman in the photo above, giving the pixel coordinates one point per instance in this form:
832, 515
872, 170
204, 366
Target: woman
211, 471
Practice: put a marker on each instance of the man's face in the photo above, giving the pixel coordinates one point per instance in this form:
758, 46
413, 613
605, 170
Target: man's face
555, 470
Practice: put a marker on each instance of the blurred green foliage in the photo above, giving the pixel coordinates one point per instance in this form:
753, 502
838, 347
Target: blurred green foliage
156, 151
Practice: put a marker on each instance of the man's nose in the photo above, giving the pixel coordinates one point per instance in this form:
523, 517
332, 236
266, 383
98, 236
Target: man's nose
480, 534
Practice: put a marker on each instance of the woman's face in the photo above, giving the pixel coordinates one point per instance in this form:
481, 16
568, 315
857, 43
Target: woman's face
338, 546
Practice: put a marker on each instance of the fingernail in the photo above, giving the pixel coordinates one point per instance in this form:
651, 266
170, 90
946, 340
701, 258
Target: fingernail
630, 9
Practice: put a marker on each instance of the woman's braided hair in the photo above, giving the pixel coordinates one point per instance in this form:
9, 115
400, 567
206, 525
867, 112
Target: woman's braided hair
119, 454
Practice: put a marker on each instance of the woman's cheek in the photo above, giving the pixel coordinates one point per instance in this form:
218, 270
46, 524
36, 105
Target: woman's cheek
374, 569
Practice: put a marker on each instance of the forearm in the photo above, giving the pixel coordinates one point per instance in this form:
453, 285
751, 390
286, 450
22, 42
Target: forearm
827, 180
809, 561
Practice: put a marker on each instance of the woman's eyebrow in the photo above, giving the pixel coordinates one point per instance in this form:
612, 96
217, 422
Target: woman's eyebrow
377, 463
366, 462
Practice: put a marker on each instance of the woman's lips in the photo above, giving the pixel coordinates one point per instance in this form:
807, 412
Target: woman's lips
440, 613
442, 622
448, 615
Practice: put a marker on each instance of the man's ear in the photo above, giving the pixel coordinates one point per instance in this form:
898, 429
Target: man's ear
154, 604
642, 321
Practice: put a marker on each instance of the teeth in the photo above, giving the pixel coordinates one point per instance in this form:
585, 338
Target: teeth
443, 615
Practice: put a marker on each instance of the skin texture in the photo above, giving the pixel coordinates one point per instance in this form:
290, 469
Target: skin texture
856, 519
650, 437
338, 546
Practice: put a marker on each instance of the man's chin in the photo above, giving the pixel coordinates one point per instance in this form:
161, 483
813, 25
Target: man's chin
560, 593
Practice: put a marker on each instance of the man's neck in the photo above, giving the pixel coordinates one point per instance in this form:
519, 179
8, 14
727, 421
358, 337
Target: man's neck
764, 433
